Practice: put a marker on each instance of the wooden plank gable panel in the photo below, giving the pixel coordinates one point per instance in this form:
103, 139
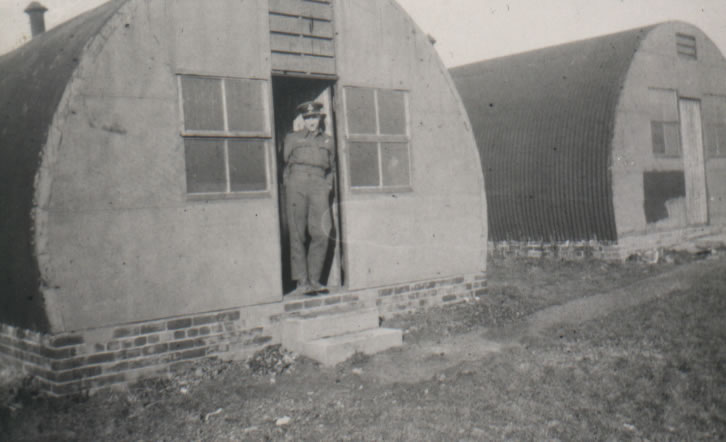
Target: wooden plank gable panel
303, 64
302, 36
689, 51
308, 27
311, 9
301, 45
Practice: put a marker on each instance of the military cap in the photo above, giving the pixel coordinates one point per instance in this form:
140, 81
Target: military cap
310, 109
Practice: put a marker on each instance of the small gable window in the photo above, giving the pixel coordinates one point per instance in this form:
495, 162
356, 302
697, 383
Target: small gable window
378, 139
686, 46
226, 135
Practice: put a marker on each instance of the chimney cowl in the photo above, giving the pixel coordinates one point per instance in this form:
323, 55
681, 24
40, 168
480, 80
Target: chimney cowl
37, 22
35, 6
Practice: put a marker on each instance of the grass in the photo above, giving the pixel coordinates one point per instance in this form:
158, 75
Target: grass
653, 372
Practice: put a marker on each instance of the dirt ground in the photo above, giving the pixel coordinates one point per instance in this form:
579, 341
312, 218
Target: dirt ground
585, 350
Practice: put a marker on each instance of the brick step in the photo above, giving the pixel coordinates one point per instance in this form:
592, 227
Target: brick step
338, 309
336, 349
326, 303
323, 324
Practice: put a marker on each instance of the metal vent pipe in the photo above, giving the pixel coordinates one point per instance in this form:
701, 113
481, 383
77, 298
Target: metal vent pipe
37, 22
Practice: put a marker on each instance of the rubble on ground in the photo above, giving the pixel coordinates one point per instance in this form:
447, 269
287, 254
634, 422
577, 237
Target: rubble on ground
272, 360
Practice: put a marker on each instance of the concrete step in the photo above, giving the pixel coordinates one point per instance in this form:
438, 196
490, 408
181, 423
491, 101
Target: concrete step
298, 330
336, 349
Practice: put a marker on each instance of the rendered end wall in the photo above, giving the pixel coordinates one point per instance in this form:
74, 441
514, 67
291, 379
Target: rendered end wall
117, 238
439, 228
656, 65
120, 242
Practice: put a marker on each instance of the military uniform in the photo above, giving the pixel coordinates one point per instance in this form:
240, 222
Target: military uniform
309, 168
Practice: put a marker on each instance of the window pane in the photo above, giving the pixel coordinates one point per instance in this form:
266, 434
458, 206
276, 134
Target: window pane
364, 164
672, 135
361, 110
247, 165
392, 112
205, 165
245, 105
394, 159
714, 122
202, 101
656, 130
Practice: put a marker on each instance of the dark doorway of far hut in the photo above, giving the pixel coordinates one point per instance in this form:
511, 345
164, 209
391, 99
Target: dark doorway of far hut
288, 93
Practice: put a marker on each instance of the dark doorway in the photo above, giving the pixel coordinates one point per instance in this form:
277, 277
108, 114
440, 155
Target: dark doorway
288, 93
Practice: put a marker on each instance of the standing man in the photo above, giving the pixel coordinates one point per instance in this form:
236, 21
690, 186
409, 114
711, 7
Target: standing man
309, 173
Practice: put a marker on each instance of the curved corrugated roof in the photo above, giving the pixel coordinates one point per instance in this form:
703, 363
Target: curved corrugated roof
544, 124
32, 81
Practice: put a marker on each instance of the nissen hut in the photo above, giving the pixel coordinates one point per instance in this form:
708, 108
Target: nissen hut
141, 183
616, 143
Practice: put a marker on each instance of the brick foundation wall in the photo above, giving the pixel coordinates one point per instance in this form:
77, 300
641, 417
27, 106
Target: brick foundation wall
411, 297
394, 300
93, 359
570, 250
632, 244
90, 360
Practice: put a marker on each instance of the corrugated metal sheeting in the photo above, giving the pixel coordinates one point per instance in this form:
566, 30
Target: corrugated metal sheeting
544, 124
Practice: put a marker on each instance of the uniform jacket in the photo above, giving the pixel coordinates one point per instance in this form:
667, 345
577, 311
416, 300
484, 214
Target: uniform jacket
310, 148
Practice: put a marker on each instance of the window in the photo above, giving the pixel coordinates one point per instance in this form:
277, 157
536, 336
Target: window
226, 134
686, 46
666, 138
378, 138
665, 128
716, 140
714, 121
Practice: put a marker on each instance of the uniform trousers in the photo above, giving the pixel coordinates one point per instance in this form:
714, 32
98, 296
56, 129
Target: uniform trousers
308, 210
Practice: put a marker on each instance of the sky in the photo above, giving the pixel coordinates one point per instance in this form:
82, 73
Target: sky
470, 30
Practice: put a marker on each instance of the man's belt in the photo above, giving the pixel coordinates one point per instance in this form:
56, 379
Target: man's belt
308, 168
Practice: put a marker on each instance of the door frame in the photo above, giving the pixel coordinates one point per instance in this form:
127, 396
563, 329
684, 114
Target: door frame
283, 108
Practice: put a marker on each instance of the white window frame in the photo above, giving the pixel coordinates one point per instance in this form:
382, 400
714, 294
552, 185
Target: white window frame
378, 138
265, 136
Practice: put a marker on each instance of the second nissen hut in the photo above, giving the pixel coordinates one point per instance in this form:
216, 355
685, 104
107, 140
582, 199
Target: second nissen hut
617, 143
140, 155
